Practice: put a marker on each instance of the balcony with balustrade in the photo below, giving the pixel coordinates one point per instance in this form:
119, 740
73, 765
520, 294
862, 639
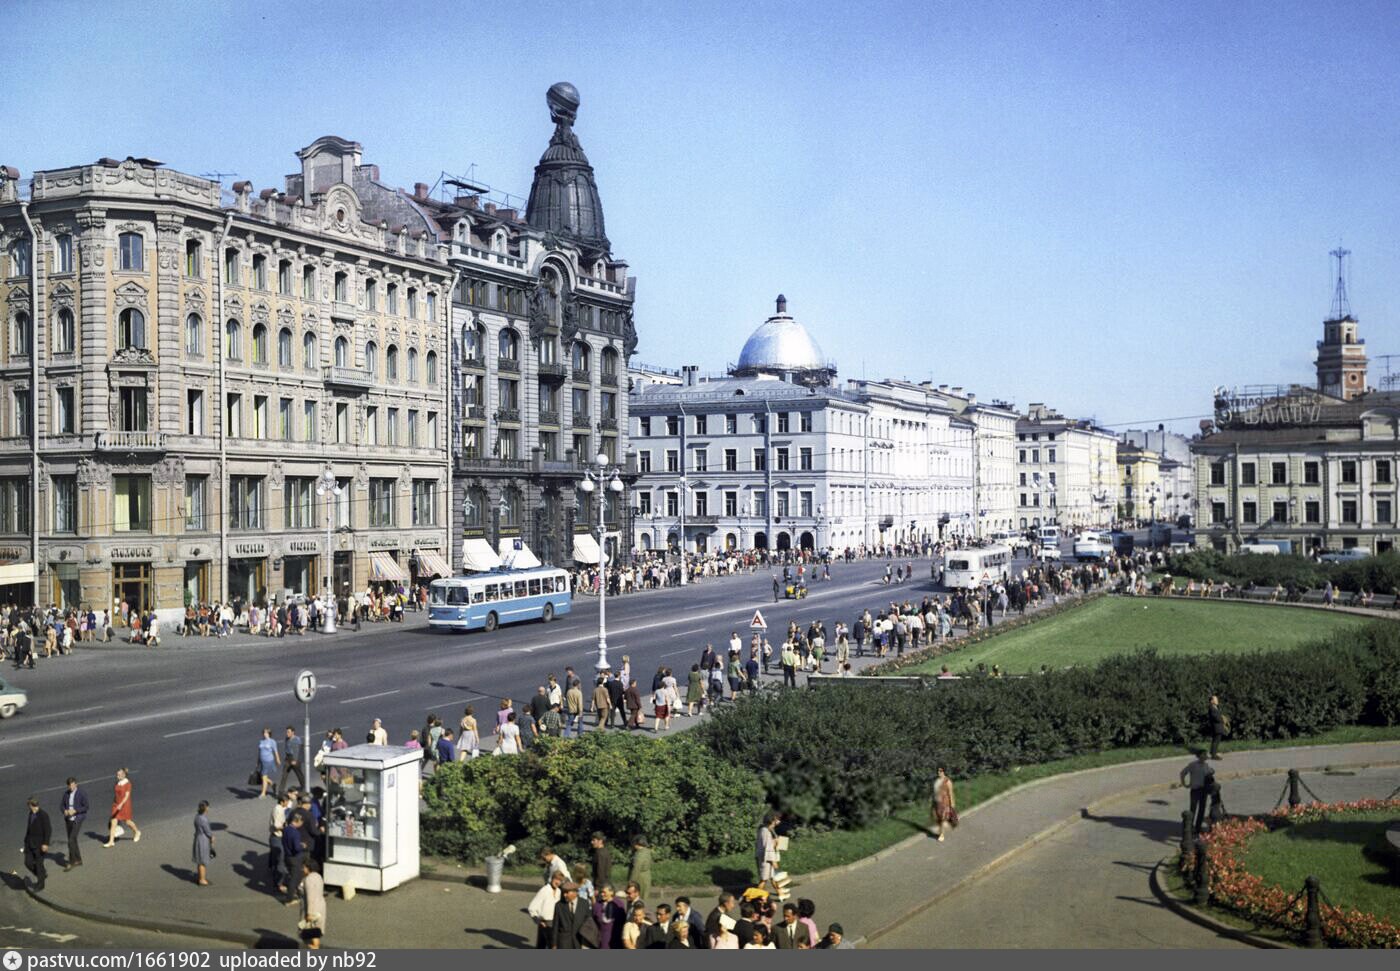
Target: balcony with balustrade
553, 372
350, 378
130, 441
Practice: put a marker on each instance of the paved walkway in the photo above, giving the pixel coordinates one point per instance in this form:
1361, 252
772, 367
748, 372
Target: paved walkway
150, 884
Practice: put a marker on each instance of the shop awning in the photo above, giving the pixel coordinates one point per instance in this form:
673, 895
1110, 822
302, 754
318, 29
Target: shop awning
478, 556
585, 548
383, 569
431, 564
515, 555
17, 573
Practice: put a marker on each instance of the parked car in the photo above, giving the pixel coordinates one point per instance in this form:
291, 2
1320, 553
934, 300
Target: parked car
1048, 553
12, 699
1345, 556
1263, 549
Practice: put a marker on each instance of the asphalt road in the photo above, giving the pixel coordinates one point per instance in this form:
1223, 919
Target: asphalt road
185, 718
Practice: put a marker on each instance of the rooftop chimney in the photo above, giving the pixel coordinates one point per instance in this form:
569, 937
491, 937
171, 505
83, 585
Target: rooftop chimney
690, 371
420, 191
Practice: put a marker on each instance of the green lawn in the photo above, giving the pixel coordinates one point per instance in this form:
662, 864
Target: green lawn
1116, 625
1347, 853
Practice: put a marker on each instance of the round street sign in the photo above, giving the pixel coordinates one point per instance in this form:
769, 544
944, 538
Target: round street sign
305, 687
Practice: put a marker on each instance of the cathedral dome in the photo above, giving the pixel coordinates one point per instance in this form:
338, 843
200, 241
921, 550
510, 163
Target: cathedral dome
781, 344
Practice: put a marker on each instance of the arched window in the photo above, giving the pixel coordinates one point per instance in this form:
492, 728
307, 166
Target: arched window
391, 363
508, 344
342, 352
498, 242
582, 355
131, 253
284, 347
372, 359
63, 331
233, 340
194, 335
131, 329
22, 335
432, 367
609, 363
474, 342
413, 365
259, 343
309, 357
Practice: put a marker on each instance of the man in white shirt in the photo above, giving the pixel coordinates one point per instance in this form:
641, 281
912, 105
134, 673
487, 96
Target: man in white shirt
553, 863
380, 736
735, 645
542, 908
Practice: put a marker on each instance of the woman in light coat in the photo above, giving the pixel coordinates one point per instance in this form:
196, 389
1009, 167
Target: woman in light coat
313, 905
203, 850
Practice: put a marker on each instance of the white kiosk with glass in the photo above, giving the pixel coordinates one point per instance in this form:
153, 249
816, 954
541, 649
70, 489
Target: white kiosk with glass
371, 816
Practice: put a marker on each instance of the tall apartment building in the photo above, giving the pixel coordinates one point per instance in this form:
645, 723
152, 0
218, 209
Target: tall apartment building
178, 373
994, 471
1066, 471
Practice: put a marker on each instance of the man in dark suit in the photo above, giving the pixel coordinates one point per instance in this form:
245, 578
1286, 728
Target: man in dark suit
687, 914
743, 927
293, 853
616, 690
75, 810
36, 842
602, 860
570, 914
1219, 727
724, 908
658, 933
785, 934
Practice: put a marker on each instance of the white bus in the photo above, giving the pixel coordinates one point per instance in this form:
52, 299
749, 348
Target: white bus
1048, 535
1092, 546
484, 601
974, 567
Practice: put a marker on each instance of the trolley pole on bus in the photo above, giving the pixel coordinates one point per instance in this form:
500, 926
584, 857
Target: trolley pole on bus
602, 478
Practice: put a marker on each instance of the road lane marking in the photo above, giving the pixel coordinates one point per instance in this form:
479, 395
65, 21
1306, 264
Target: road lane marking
10, 766
683, 651
207, 728
81, 782
220, 687
64, 714
145, 684
382, 694
698, 630
463, 701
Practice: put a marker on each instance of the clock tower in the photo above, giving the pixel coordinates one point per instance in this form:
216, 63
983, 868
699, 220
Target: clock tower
1341, 356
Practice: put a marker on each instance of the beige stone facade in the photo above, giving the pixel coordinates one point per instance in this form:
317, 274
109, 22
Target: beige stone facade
199, 361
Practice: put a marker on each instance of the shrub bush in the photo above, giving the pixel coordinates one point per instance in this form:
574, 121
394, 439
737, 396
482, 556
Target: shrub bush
1379, 574
844, 755
689, 803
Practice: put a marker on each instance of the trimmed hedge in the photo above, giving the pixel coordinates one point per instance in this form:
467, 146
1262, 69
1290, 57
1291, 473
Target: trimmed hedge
845, 755
1379, 574
689, 803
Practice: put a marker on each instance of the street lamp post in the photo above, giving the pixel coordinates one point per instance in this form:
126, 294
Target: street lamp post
685, 495
743, 522
601, 478
327, 486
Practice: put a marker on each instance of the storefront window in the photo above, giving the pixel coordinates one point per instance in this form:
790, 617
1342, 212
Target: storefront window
67, 591
131, 585
247, 581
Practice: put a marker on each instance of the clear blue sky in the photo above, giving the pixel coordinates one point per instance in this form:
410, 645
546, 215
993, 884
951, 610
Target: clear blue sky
1108, 207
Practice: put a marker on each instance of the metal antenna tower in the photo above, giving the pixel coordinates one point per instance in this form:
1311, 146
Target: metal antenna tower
216, 176
1341, 307
1389, 381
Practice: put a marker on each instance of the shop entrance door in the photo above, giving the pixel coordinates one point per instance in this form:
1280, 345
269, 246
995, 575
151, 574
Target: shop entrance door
131, 583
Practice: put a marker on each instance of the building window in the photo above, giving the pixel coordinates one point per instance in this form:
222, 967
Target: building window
580, 402
1383, 471
65, 503
392, 298
1384, 511
424, 502
805, 421
391, 363
760, 460
783, 427
731, 503
131, 253
673, 460
132, 403
381, 502
260, 416
731, 460
1278, 473
412, 365
245, 502
673, 425
131, 500
508, 394
259, 272
233, 420
1312, 511
196, 489
65, 412
284, 419
1217, 473
370, 291
1050, 455
1311, 473
1349, 472
392, 427
14, 504
760, 424
233, 340
342, 424
702, 460
508, 345
372, 359
644, 504
702, 424
342, 288
21, 336
342, 352
1280, 512
760, 504
702, 503
310, 427
783, 507
412, 425
432, 305
644, 460
731, 424
231, 267
296, 503
432, 439
644, 427
430, 368
131, 329
804, 504
1247, 474
284, 348
259, 344
309, 355
411, 299
371, 425
804, 459
284, 277
1251, 513
1349, 511
63, 331
782, 465
194, 412
308, 283
194, 335
63, 254
1021, 458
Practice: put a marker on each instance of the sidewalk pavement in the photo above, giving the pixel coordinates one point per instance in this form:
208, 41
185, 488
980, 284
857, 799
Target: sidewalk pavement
171, 637
150, 884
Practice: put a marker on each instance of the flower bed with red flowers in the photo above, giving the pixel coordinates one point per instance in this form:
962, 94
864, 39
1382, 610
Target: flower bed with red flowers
1239, 891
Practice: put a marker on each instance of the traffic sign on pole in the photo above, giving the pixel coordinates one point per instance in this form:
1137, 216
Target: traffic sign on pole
758, 623
305, 687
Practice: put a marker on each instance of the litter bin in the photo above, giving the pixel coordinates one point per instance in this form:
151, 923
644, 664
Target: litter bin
494, 866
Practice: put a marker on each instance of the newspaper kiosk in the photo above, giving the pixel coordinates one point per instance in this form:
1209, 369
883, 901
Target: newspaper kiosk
371, 816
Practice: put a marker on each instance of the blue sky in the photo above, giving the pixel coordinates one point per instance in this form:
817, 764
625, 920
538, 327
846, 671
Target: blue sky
1108, 207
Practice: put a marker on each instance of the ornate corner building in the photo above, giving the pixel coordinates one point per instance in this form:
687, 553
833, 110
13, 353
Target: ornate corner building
180, 367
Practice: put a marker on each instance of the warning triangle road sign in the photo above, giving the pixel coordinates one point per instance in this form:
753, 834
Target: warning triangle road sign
758, 623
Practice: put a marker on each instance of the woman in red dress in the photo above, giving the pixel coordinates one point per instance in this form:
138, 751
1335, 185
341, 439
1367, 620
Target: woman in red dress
121, 811
945, 813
